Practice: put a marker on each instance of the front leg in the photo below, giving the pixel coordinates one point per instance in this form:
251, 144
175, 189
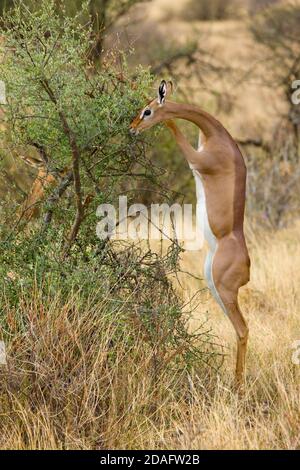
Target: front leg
191, 155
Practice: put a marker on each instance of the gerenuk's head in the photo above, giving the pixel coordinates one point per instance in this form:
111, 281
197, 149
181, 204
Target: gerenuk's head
153, 112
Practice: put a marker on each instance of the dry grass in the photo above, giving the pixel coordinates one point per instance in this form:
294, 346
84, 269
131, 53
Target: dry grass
268, 416
63, 390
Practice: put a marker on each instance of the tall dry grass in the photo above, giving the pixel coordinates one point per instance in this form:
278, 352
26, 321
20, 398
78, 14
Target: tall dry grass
62, 389
268, 416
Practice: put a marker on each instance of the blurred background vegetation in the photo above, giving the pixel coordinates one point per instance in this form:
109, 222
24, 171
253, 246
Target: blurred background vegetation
76, 73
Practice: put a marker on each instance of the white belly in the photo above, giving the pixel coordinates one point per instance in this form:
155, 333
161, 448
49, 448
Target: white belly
201, 213
202, 219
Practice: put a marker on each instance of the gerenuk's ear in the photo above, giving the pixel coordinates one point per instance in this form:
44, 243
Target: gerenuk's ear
164, 89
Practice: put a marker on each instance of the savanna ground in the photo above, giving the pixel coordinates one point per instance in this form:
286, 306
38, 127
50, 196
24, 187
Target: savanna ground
84, 372
268, 416
212, 415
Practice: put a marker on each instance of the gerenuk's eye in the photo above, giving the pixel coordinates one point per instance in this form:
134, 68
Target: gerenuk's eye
147, 112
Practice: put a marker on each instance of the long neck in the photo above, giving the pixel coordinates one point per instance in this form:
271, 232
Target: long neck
207, 123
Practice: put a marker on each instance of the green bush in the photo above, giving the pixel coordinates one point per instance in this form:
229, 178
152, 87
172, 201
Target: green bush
95, 334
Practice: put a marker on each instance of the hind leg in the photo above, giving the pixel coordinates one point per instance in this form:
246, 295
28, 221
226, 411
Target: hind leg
242, 332
229, 270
